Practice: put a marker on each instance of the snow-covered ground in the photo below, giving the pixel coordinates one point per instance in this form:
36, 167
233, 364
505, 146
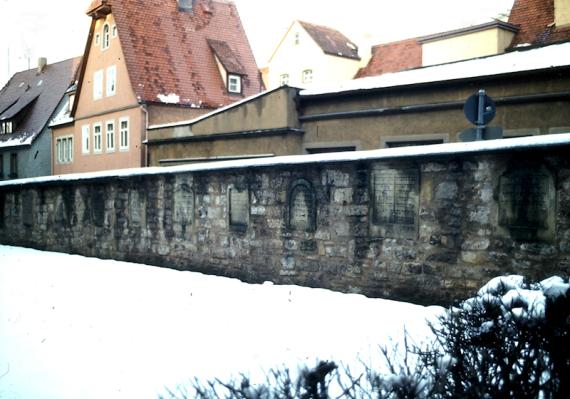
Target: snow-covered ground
76, 327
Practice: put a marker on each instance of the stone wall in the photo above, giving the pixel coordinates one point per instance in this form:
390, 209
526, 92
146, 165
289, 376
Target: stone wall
428, 229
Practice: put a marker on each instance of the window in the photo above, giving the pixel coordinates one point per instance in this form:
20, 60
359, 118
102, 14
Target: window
114, 31
71, 100
64, 150
106, 37
13, 165
322, 150
124, 126
110, 128
97, 39
297, 40
98, 85
111, 81
6, 127
97, 137
234, 83
411, 143
284, 79
85, 139
307, 76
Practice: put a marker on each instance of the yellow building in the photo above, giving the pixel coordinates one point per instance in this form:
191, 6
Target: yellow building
309, 55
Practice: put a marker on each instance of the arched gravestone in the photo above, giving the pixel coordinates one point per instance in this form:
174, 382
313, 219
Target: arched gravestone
302, 206
394, 202
527, 202
184, 205
238, 208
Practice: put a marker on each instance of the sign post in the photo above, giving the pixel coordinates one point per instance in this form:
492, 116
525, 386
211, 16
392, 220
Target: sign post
480, 109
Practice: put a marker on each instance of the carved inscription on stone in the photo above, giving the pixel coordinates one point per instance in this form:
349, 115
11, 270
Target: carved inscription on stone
239, 207
302, 206
395, 202
184, 205
526, 202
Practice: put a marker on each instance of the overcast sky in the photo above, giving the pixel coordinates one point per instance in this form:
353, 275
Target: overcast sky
58, 30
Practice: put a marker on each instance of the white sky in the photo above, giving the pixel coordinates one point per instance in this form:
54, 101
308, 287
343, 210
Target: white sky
58, 30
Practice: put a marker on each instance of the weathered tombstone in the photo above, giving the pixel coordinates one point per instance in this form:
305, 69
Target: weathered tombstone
184, 205
238, 208
395, 202
135, 208
302, 206
527, 201
28, 208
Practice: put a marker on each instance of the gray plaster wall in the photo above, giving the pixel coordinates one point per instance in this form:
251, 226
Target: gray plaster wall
33, 161
328, 225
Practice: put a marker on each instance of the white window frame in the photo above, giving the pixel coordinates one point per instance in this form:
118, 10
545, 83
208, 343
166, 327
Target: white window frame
110, 136
97, 38
106, 42
85, 133
284, 79
124, 134
64, 150
114, 31
234, 83
97, 138
98, 85
111, 82
307, 76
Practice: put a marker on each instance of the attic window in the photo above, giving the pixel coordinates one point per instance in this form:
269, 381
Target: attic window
185, 5
6, 127
307, 76
234, 83
106, 37
297, 40
97, 39
284, 79
114, 31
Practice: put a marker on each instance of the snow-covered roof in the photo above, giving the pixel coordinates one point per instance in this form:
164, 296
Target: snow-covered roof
546, 57
519, 143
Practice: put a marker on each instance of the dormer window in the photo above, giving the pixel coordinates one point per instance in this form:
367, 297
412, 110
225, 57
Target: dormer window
106, 37
234, 83
7, 127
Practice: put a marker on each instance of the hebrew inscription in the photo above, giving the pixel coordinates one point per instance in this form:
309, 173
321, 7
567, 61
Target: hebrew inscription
302, 207
395, 202
239, 207
184, 205
526, 203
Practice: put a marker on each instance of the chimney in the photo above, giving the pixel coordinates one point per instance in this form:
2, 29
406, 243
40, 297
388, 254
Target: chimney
42, 62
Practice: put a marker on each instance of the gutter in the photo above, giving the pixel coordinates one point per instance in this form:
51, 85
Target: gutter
363, 113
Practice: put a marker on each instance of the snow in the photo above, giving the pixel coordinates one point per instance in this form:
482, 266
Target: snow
169, 98
551, 140
551, 56
18, 141
76, 327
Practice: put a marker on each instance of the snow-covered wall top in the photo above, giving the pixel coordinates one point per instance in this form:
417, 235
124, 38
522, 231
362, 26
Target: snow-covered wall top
519, 143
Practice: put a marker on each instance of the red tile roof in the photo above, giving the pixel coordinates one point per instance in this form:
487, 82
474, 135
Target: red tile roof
167, 50
393, 57
331, 41
536, 21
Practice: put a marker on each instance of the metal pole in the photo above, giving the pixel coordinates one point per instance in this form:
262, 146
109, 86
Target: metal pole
480, 110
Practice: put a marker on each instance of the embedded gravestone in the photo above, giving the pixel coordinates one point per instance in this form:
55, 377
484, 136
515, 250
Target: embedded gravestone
97, 199
527, 200
28, 208
238, 208
302, 206
184, 205
395, 202
135, 208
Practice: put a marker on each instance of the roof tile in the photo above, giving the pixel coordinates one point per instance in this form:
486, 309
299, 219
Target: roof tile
331, 41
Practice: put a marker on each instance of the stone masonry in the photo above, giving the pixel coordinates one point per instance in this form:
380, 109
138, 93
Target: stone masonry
427, 229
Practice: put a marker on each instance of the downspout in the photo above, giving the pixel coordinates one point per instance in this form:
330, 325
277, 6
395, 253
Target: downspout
145, 136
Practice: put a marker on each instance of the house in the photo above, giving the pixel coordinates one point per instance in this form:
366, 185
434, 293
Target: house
150, 63
27, 103
531, 22
310, 54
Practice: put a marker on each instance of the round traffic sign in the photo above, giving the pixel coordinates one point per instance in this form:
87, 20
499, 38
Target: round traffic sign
473, 108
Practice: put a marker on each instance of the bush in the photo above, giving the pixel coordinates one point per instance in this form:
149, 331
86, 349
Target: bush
510, 340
